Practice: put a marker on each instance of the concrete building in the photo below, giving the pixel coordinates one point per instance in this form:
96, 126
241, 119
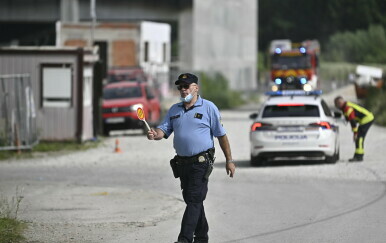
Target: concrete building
124, 45
211, 35
225, 40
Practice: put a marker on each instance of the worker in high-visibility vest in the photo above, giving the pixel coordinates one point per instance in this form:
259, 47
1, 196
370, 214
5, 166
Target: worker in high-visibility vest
360, 120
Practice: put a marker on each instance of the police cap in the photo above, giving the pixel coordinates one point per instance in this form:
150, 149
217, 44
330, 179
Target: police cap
186, 78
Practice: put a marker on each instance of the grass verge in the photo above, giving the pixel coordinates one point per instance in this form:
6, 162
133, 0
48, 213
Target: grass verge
49, 147
11, 229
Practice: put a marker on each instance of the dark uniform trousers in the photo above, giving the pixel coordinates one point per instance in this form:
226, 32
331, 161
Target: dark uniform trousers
360, 139
194, 189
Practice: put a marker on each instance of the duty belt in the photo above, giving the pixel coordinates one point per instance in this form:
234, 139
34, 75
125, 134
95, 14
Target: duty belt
201, 157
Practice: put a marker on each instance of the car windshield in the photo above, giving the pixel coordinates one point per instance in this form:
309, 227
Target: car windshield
122, 92
291, 111
290, 62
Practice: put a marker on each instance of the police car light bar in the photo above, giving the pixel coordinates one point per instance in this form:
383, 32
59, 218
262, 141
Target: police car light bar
293, 93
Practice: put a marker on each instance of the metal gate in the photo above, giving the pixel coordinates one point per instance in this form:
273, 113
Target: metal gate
18, 128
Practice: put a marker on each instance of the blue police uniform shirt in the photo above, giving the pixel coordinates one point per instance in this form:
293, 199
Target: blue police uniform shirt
193, 128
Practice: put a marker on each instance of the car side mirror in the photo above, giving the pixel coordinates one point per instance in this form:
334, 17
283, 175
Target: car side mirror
337, 114
253, 116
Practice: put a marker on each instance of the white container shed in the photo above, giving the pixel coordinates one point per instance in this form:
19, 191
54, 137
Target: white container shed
62, 85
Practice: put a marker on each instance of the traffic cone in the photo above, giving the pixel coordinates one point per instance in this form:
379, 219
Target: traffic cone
117, 149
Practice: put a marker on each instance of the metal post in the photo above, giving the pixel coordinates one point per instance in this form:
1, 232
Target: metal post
7, 135
93, 20
18, 123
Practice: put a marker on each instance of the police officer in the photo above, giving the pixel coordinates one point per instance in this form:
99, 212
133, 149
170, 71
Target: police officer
194, 122
360, 120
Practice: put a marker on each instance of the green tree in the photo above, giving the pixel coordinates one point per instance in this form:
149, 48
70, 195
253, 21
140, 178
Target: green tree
317, 19
368, 46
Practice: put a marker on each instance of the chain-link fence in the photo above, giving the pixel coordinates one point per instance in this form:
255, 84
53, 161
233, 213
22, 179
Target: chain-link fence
18, 128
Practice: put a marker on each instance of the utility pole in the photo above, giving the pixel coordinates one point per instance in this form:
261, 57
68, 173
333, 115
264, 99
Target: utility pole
93, 20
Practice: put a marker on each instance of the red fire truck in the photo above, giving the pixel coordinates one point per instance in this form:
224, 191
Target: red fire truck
294, 65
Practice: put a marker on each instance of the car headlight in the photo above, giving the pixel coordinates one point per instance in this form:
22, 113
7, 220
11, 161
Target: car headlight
275, 88
307, 87
135, 107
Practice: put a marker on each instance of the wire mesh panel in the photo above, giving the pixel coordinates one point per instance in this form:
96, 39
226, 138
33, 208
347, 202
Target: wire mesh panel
18, 128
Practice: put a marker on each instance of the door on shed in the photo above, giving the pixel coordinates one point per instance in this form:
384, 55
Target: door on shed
124, 53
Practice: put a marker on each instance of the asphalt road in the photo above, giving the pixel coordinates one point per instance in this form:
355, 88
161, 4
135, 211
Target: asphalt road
102, 196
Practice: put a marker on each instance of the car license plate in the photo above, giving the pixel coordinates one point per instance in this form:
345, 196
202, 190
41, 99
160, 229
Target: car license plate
113, 120
290, 129
290, 137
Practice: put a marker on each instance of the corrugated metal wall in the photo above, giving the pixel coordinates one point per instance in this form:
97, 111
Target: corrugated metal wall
54, 123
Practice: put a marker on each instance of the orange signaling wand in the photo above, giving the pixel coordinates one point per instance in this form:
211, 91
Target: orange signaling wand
141, 116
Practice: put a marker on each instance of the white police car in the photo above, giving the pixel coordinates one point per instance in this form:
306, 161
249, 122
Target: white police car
294, 124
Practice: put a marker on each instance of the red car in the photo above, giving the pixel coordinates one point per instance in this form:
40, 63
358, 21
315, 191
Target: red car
134, 74
120, 103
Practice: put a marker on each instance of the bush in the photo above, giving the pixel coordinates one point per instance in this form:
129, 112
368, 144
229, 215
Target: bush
375, 102
360, 46
216, 89
336, 70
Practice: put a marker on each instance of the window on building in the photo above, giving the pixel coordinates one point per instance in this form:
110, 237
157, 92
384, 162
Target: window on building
146, 52
56, 85
164, 51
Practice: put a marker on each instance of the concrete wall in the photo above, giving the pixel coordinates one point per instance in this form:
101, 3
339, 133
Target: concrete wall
213, 35
71, 10
42, 10
124, 10
225, 40
185, 39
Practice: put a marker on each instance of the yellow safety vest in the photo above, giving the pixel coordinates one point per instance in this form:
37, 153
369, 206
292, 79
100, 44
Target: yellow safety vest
366, 116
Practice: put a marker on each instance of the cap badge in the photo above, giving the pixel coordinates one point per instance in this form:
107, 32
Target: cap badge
184, 76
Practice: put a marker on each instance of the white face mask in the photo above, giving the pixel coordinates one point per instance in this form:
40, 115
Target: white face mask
188, 98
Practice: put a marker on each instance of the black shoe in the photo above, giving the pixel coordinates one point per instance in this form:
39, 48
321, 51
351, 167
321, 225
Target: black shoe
200, 240
356, 159
181, 241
